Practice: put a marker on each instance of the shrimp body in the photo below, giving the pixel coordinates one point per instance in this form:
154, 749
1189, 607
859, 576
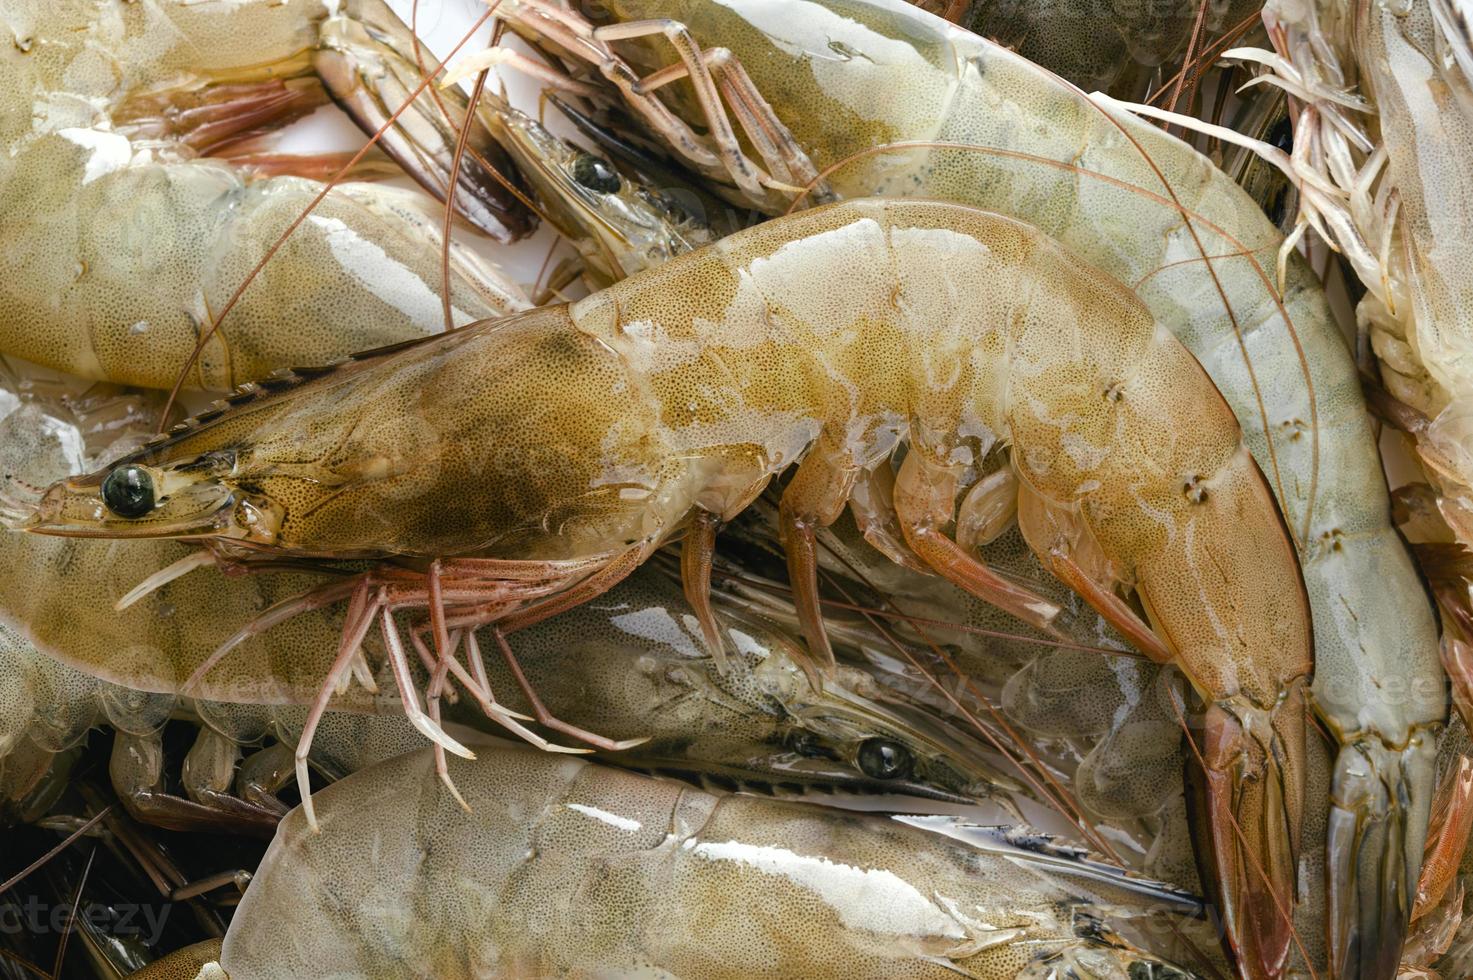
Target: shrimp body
586, 432
122, 242
562, 868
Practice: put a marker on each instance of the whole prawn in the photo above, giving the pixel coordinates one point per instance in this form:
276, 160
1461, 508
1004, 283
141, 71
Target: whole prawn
631, 663
122, 241
557, 449
861, 97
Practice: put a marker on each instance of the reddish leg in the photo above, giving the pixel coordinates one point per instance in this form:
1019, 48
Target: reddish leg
1452, 820
545, 717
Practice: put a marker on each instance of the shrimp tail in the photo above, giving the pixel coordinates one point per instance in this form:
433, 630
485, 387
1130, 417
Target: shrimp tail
369, 68
1378, 826
1248, 810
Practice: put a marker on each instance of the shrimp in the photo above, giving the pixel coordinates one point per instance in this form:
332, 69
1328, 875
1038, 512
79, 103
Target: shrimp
121, 242
671, 399
631, 662
880, 98
591, 870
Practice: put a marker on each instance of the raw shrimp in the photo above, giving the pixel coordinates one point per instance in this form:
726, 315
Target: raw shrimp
631, 662
559, 448
827, 85
120, 243
565, 868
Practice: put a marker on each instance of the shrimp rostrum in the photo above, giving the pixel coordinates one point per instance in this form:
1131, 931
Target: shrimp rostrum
537, 460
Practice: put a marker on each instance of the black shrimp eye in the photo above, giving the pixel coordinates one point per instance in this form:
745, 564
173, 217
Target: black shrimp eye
596, 175
880, 758
128, 491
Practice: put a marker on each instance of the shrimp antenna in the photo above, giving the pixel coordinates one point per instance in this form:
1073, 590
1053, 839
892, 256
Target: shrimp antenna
66, 842
1181, 76
1199, 65
460, 141
1277, 295
461, 148
71, 919
434, 91
332, 182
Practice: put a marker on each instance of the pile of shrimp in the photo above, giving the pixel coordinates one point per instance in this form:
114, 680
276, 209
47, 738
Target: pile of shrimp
917, 506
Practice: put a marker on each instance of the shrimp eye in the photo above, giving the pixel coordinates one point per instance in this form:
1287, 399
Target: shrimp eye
880, 758
128, 491
596, 175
